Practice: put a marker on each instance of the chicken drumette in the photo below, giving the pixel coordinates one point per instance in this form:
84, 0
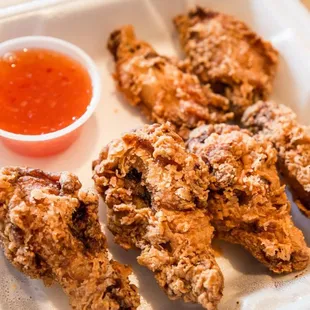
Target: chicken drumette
156, 194
227, 55
49, 230
278, 124
159, 88
247, 203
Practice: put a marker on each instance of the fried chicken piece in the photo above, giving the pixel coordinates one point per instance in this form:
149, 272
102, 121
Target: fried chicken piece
227, 55
159, 88
49, 230
156, 194
247, 202
278, 124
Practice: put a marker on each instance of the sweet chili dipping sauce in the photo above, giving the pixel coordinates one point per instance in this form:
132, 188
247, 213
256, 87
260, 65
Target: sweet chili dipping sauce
41, 91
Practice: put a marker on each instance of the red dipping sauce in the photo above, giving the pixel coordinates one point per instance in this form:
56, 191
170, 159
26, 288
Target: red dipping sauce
41, 91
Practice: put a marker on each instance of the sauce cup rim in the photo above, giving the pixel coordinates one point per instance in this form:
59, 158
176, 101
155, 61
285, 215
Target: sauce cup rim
88, 64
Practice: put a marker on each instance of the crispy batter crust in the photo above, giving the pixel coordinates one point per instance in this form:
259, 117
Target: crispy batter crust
159, 88
247, 202
49, 229
225, 54
156, 194
278, 124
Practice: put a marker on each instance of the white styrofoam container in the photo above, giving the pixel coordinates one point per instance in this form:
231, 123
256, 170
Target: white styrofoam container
248, 285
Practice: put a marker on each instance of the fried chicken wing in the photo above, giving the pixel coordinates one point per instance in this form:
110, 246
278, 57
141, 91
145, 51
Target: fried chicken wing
227, 55
278, 124
156, 194
49, 230
248, 205
159, 88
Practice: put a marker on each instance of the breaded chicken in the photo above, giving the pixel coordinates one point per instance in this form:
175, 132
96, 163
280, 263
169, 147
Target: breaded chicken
49, 230
227, 55
156, 194
248, 205
278, 124
159, 88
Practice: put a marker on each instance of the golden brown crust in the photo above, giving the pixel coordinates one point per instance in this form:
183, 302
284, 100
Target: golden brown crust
49, 230
247, 202
159, 88
226, 54
278, 124
156, 194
